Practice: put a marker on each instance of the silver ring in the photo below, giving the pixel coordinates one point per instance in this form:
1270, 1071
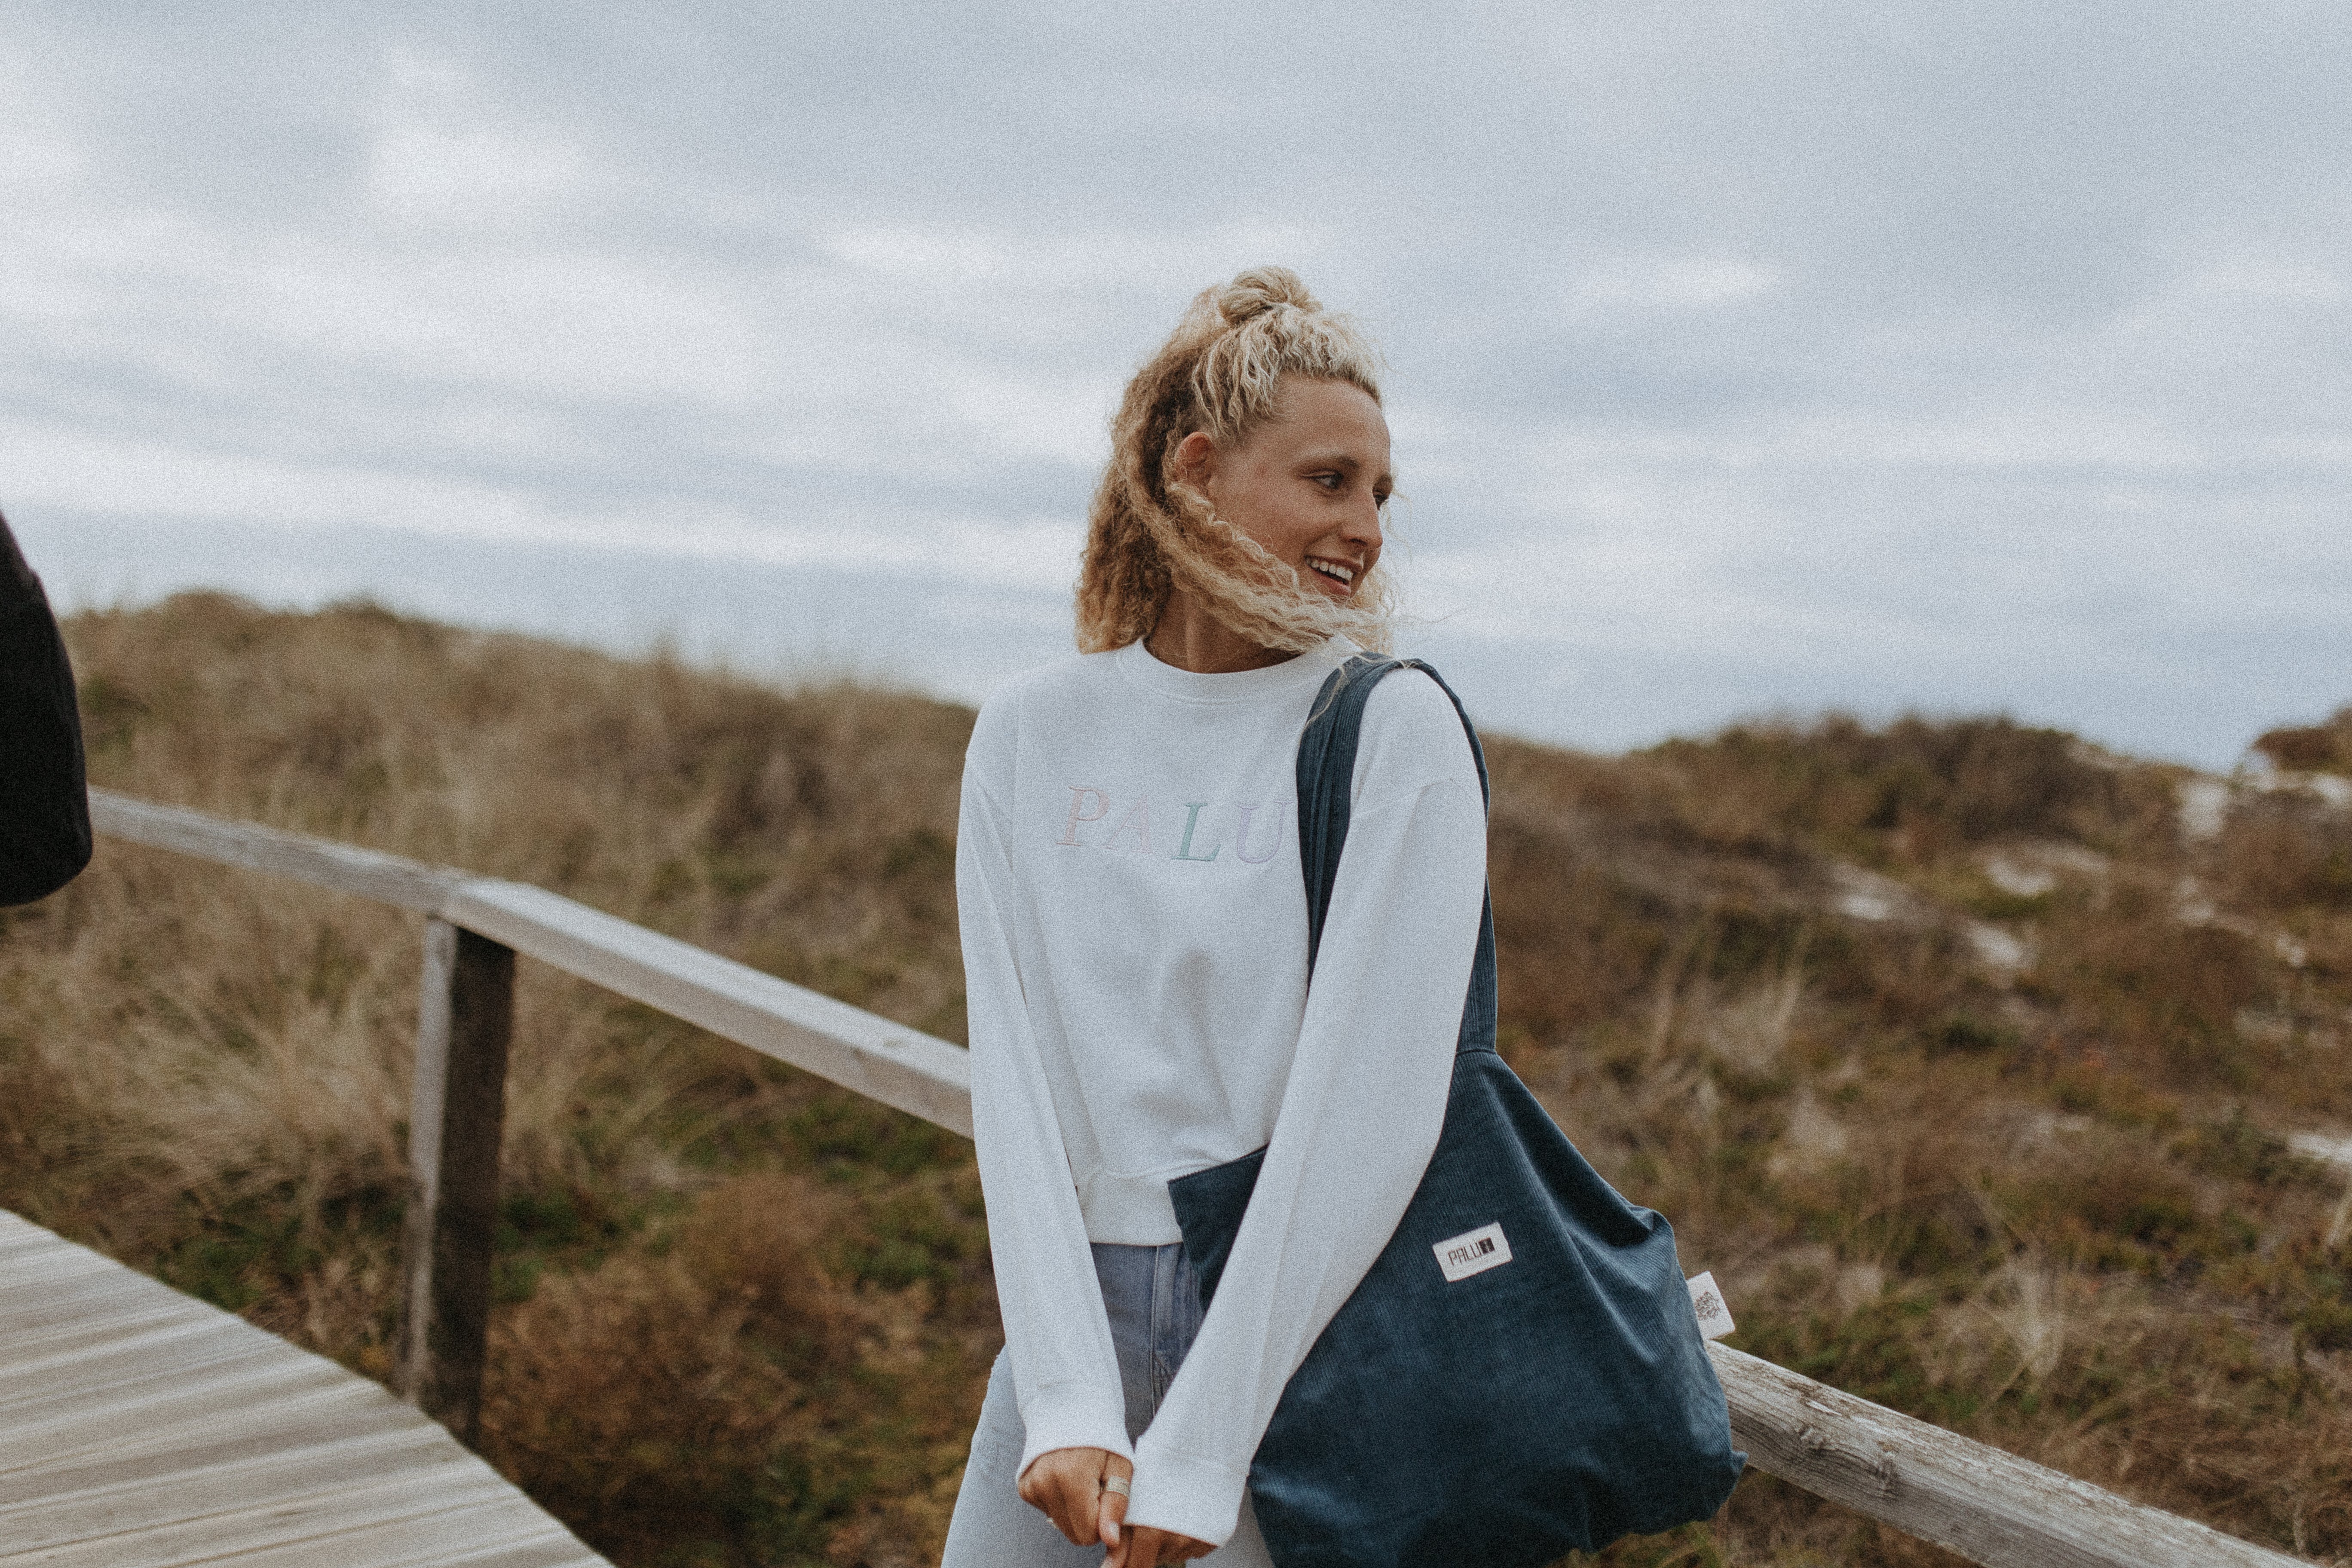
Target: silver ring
1116, 1484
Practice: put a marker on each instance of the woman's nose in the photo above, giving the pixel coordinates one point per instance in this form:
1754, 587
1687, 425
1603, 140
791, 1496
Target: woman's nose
1362, 528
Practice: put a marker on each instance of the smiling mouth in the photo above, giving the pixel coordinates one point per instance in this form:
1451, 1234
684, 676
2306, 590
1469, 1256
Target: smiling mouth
1343, 575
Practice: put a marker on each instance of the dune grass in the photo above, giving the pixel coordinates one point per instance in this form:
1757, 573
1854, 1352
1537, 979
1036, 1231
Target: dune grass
1967, 1062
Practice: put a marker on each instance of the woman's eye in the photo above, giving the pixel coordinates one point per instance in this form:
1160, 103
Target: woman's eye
1329, 481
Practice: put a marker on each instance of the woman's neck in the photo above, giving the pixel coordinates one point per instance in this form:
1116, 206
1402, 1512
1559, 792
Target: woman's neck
1189, 637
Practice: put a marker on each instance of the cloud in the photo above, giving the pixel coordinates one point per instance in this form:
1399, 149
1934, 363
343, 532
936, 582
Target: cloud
434, 159
1738, 354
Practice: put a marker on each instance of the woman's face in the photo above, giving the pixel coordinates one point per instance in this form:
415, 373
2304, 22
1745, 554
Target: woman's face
1307, 485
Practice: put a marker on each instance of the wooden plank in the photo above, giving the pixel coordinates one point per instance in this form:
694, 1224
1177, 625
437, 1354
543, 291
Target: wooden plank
97, 1319
317, 1478
14, 1244
563, 1554
33, 1272
270, 1465
90, 1376
428, 1500
56, 1302
171, 1408
457, 1110
1988, 1505
886, 1061
96, 1334
202, 1438
457, 1538
388, 878
286, 1423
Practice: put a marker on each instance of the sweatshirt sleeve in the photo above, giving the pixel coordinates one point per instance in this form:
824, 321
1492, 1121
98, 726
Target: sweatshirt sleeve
1065, 1369
1360, 1113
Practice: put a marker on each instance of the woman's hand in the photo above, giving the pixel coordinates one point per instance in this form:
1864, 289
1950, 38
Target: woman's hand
1067, 1485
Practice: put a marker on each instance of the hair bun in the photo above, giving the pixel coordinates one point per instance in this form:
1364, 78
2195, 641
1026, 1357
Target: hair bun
1262, 288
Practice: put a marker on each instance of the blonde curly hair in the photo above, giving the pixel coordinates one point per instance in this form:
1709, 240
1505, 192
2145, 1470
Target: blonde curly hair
1148, 532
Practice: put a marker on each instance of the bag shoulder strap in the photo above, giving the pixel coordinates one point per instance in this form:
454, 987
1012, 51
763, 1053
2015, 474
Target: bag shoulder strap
1327, 774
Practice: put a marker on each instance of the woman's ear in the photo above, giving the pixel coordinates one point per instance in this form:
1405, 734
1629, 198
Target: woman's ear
1196, 460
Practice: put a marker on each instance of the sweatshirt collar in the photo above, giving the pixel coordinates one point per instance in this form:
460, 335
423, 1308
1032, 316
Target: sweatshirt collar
1308, 669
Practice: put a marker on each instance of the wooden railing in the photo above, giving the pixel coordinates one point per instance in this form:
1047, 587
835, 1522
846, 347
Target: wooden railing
1981, 1502
473, 927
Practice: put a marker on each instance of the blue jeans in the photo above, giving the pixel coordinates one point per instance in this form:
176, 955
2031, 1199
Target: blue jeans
1155, 1309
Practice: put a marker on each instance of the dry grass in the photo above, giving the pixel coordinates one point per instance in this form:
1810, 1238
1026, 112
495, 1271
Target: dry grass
2048, 1204
744, 1316
1967, 1071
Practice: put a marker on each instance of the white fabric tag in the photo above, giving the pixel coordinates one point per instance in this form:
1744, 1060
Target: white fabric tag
1713, 1317
1473, 1252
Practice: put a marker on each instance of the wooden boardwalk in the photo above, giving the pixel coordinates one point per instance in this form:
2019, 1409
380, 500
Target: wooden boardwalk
141, 1428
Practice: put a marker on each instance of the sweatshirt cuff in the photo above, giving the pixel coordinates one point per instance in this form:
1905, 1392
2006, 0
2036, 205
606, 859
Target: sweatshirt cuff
1072, 1415
1185, 1493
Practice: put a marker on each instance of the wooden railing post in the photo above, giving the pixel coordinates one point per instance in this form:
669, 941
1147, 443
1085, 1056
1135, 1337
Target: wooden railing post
457, 1109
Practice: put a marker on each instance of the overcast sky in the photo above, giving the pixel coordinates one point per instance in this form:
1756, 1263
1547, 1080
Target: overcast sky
1743, 358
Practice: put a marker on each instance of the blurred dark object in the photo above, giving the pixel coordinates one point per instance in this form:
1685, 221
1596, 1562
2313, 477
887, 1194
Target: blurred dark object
44, 801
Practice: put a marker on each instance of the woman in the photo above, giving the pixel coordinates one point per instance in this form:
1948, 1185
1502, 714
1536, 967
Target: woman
1136, 954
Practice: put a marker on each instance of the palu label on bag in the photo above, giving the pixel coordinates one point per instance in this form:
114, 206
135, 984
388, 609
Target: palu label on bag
1713, 1317
1473, 1252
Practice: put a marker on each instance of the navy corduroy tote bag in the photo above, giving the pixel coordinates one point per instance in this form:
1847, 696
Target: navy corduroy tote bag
1521, 1373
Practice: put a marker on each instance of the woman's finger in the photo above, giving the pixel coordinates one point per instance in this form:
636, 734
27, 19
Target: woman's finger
1110, 1509
1110, 1514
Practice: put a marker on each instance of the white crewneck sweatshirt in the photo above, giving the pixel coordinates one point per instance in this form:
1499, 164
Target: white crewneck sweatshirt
1135, 963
